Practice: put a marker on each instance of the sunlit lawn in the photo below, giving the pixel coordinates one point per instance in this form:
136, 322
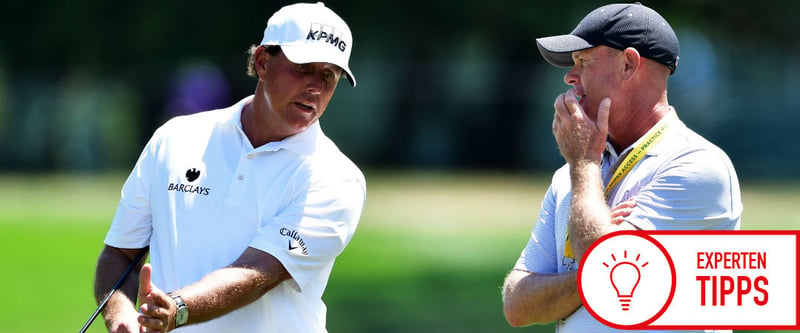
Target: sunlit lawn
430, 253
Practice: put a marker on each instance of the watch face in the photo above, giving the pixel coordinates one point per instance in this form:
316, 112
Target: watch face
182, 316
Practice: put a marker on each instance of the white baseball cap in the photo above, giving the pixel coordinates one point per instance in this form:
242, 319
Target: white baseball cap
308, 33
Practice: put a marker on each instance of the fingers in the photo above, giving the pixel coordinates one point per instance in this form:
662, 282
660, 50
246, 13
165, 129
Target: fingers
580, 136
558, 105
602, 116
618, 217
155, 304
154, 318
567, 105
156, 311
152, 309
152, 324
564, 108
145, 281
621, 211
571, 102
630, 203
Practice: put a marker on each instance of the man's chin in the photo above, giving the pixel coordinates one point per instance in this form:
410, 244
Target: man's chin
301, 125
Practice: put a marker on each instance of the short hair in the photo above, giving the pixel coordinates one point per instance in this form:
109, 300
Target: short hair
273, 50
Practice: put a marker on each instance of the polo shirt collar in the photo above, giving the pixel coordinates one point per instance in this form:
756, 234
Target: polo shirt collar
671, 117
304, 142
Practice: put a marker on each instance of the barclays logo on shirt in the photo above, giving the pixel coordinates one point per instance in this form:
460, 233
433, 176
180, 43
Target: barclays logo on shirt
191, 175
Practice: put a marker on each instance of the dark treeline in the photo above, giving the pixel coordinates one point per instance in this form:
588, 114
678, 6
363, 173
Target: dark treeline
442, 84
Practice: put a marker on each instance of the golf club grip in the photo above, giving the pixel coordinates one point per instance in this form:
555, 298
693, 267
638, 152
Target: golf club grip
116, 286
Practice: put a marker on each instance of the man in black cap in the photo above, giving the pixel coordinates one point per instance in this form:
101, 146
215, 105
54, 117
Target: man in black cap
626, 148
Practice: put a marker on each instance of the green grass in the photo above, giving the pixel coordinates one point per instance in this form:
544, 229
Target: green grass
430, 253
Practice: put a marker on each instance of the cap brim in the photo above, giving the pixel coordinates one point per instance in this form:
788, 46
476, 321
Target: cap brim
301, 54
557, 50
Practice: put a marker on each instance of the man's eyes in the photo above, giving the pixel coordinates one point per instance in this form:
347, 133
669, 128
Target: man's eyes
307, 68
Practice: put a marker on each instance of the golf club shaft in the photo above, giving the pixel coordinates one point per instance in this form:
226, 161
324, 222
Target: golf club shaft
116, 286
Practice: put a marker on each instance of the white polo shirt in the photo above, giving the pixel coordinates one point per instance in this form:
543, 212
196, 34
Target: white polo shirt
683, 183
200, 194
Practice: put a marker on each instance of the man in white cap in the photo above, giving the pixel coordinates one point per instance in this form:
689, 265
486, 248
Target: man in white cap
243, 209
626, 148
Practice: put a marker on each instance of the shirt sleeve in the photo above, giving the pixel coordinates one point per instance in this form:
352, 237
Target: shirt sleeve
308, 234
697, 191
132, 224
540, 254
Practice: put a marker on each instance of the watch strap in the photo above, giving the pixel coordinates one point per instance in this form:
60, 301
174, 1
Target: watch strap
182, 314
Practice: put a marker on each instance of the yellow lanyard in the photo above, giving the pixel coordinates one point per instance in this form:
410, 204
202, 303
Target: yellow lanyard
635, 155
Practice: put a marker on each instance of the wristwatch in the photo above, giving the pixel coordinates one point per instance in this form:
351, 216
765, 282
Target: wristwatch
183, 312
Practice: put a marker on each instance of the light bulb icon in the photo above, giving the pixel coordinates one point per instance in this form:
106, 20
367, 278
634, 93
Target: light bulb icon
630, 289
625, 276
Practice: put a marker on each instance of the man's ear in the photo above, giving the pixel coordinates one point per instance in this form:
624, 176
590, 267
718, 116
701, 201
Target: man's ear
632, 62
261, 59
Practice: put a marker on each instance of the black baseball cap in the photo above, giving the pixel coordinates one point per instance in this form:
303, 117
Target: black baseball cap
618, 26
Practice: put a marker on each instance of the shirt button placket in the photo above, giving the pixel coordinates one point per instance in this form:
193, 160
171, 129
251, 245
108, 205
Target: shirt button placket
245, 167
238, 187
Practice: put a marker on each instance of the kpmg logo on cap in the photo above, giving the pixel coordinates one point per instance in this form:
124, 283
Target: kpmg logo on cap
327, 34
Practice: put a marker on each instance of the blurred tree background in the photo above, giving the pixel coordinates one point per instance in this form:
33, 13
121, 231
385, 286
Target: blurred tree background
442, 84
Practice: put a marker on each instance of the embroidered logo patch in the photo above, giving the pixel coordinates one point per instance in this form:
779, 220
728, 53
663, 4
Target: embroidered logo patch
191, 175
296, 243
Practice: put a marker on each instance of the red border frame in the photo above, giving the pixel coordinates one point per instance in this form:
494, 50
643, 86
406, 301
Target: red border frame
644, 325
